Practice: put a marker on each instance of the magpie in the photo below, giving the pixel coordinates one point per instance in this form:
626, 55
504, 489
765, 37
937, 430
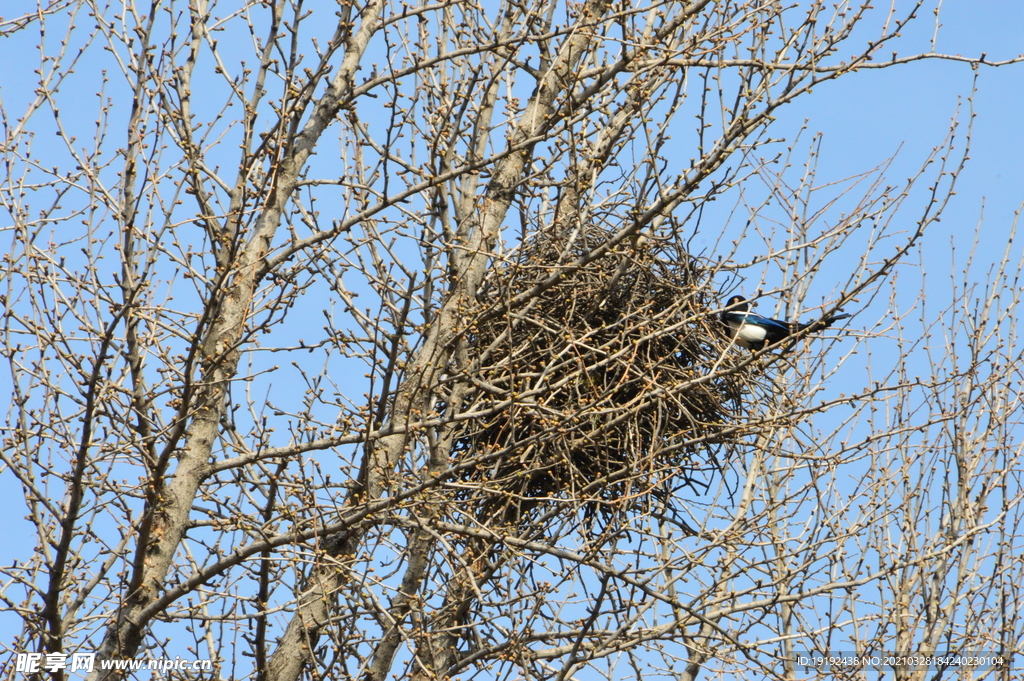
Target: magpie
752, 331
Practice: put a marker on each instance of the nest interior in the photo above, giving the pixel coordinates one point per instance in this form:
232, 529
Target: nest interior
610, 388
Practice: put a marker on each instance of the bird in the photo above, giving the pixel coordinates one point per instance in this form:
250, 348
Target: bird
752, 331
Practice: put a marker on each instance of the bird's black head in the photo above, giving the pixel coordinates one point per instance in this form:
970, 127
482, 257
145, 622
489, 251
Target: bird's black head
737, 304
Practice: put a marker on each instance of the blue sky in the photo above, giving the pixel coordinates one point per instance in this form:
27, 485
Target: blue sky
872, 114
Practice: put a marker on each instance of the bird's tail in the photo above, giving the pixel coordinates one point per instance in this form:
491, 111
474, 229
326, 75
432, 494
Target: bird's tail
829, 321
820, 324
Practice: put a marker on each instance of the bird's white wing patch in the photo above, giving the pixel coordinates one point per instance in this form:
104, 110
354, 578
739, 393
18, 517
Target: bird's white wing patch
747, 334
751, 333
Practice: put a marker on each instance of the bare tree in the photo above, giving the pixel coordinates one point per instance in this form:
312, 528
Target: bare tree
368, 341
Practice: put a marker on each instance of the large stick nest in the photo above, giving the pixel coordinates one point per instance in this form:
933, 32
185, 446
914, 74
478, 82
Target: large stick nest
606, 390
